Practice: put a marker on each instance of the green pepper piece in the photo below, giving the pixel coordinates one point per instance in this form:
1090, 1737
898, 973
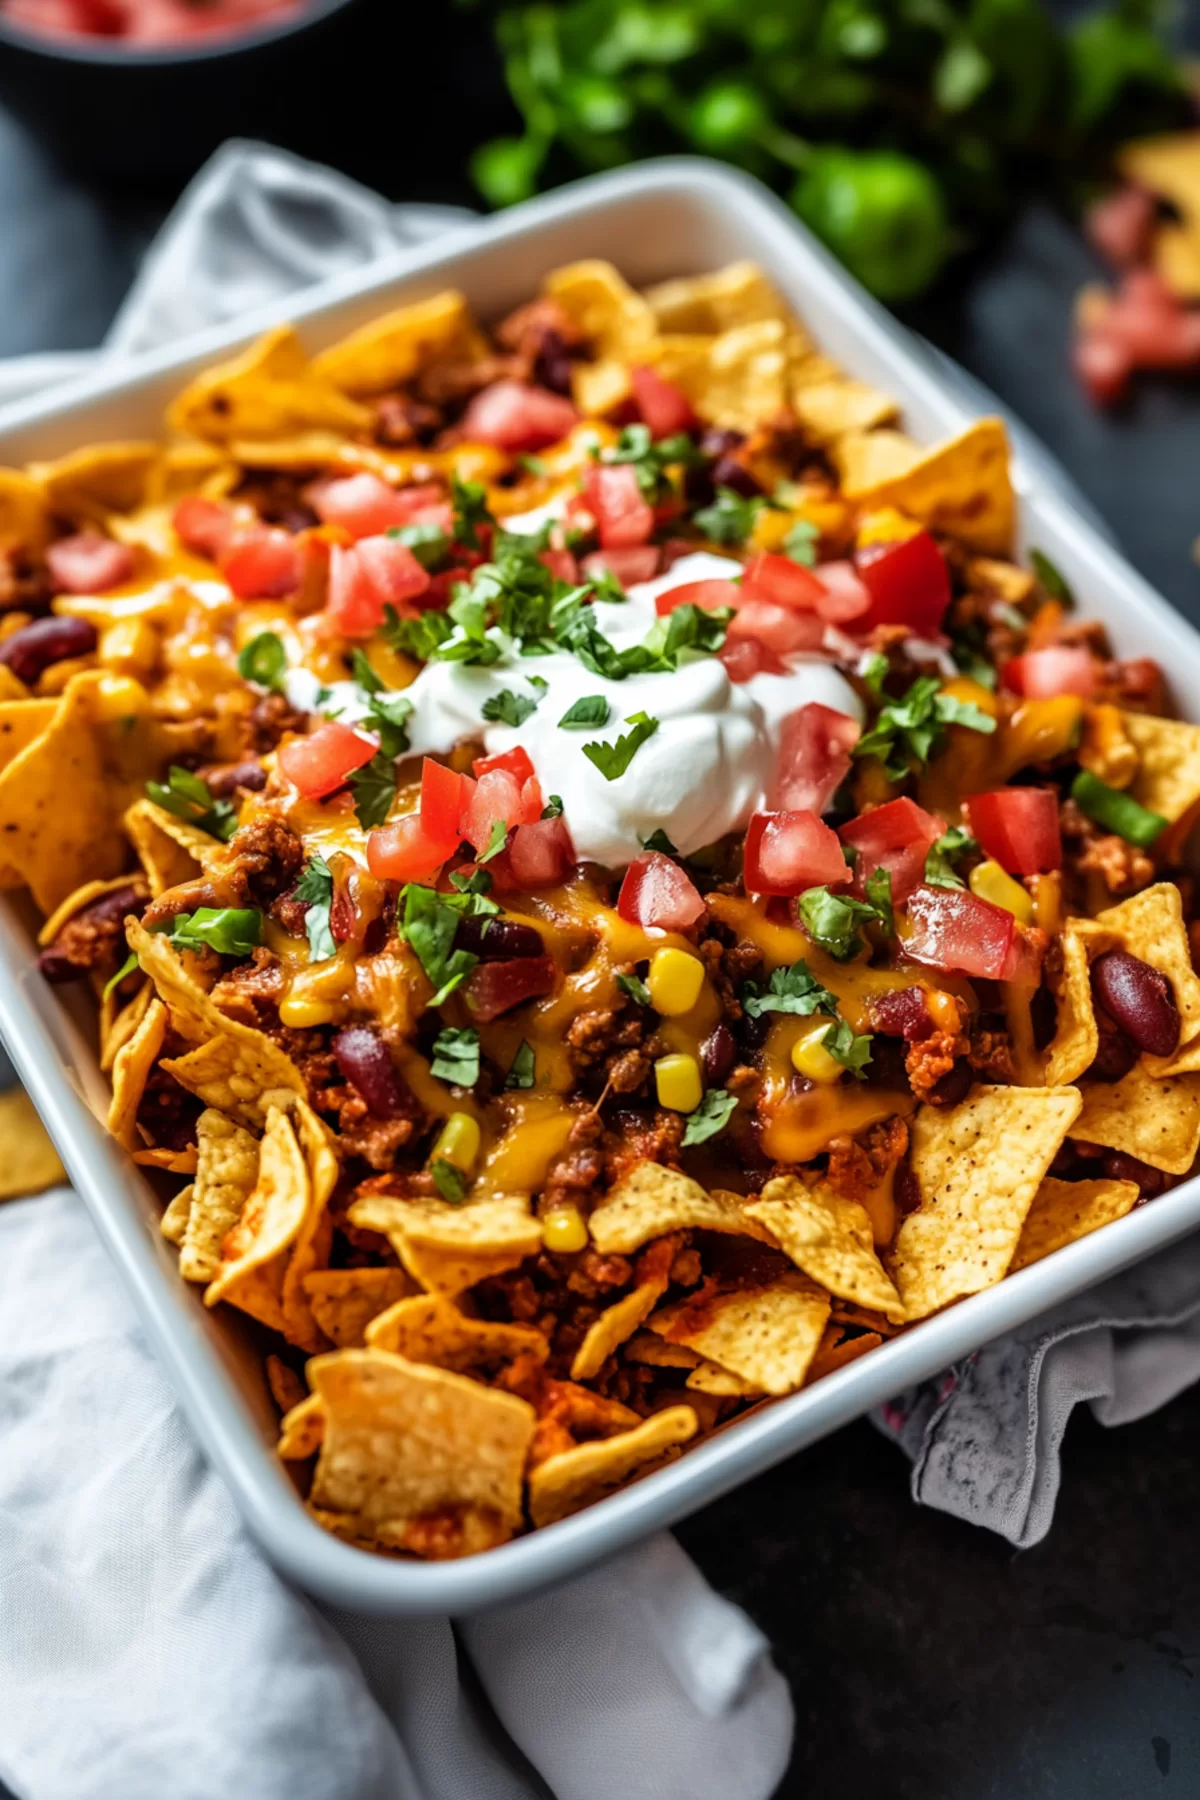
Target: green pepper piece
881, 213
1116, 811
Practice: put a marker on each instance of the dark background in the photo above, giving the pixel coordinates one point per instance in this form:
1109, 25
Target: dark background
927, 1660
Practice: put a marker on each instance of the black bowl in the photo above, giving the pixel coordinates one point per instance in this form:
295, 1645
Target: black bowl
150, 117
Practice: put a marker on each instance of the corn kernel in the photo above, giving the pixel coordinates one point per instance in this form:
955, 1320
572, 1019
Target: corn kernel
677, 1082
811, 1058
393, 668
458, 1142
299, 1010
564, 1229
120, 697
990, 882
130, 644
675, 980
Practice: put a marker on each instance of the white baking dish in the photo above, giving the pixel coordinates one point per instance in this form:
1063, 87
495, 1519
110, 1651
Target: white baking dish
660, 219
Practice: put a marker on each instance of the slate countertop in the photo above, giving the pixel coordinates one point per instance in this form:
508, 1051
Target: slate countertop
927, 1660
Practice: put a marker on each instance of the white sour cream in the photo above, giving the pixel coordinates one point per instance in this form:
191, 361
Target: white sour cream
709, 765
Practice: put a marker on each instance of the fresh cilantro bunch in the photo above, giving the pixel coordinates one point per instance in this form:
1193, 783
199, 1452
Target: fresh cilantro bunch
908, 731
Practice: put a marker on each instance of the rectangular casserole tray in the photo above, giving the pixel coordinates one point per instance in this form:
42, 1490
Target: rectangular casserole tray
655, 220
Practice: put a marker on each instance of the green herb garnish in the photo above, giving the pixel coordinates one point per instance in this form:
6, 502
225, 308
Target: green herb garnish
908, 731
126, 968
586, 714
230, 930
658, 840
612, 760
429, 925
832, 921
508, 708
789, 990
521, 1074
469, 500
187, 797
711, 1116
852, 1052
940, 860
731, 517
316, 887
635, 987
449, 1181
1051, 578
456, 1056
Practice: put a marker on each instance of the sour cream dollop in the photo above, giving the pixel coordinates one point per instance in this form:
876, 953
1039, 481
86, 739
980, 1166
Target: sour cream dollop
709, 765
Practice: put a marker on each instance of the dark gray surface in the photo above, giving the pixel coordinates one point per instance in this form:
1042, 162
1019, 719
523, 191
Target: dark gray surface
927, 1661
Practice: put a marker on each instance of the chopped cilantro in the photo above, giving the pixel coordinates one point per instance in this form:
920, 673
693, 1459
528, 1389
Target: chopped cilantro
908, 731
263, 660
507, 708
456, 1056
790, 990
832, 921
852, 1052
711, 1116
1051, 578
363, 673
421, 637
650, 460
968, 647
497, 838
187, 797
688, 627
532, 465
635, 987
126, 968
429, 926
521, 1074
230, 930
939, 863
428, 542
469, 500
586, 714
316, 887
374, 789
731, 517
658, 840
474, 890
450, 1182
612, 760
878, 890
553, 807
801, 543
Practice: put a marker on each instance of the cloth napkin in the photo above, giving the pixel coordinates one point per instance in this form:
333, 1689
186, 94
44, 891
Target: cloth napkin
146, 1648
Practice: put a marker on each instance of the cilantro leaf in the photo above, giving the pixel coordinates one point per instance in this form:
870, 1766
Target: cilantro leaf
553, 807
711, 1116
456, 1056
187, 797
469, 500
790, 990
126, 968
801, 543
521, 1074
428, 542
474, 889
1051, 578
832, 921
497, 838
688, 627
421, 637
429, 927
939, 863
532, 465
507, 708
649, 459
263, 660
908, 731
612, 760
635, 987
852, 1052
449, 1181
363, 673
374, 789
581, 634
878, 891
586, 714
658, 840
316, 887
731, 517
230, 930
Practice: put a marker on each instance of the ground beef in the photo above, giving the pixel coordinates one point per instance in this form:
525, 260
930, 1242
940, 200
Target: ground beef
167, 1113
859, 1163
931, 1058
94, 937
269, 720
253, 989
641, 1137
524, 331
264, 860
594, 1275
991, 1054
360, 1133
1136, 686
452, 383
572, 1175
400, 419
611, 1040
279, 500
1090, 852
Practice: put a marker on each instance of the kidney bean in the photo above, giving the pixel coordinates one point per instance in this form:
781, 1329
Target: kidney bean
90, 936
1138, 999
32, 649
718, 1054
496, 940
552, 366
719, 440
495, 987
362, 1057
222, 779
1120, 1167
728, 472
902, 1013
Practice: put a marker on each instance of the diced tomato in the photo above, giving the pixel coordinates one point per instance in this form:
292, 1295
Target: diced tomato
779, 628
516, 761
909, 584
88, 563
515, 416
441, 805
787, 852
1018, 828
366, 506
814, 757
405, 850
1120, 225
710, 595
497, 799
533, 803
665, 408
744, 658
203, 526
657, 895
638, 563
622, 514
846, 596
371, 575
956, 931
1148, 321
321, 762
782, 582
261, 563
1045, 674
540, 853
1103, 366
897, 837
561, 564
493, 988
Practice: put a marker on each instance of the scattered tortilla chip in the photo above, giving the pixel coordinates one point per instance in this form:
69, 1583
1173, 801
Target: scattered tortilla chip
866, 461
1150, 926
829, 409
767, 1334
28, 1160
173, 1223
56, 804
1156, 1120
1065, 1210
24, 514
647, 1347
22, 722
303, 454
131, 1070
963, 488
287, 1389
1076, 1040
710, 1378
616, 322
122, 1022
171, 850
449, 1248
428, 1328
738, 379
344, 1301
301, 1429
270, 390
226, 1171
650, 1201
615, 1324
738, 294
829, 1238
836, 1349
403, 1440
255, 1254
1168, 776
97, 479
573, 1479
315, 1237
391, 349
978, 1166
172, 1162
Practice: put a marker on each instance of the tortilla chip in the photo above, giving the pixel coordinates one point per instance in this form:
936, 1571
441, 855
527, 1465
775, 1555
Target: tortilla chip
866, 461
170, 850
830, 1239
287, 1389
1065, 1210
391, 349
119, 1027
56, 805
767, 1334
428, 1328
650, 1201
710, 1378
173, 1223
270, 390
97, 479
303, 454
978, 1166
1150, 926
256, 1252
22, 722
344, 1301
1156, 1120
1168, 164
24, 514
1176, 256
737, 380
573, 1479
1076, 1040
616, 322
615, 1324
836, 1349
172, 1162
301, 1430
131, 1070
315, 1237
403, 1440
829, 409
1168, 776
738, 294
449, 1248
647, 1347
962, 488
28, 1160
226, 1171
